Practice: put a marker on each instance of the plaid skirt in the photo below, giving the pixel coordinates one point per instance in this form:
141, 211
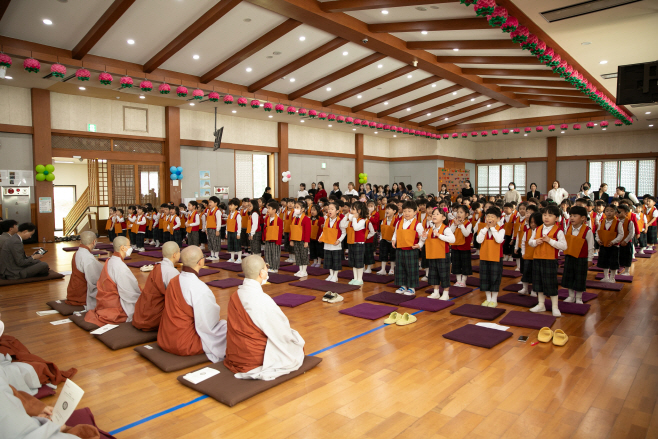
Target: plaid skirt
177, 237
214, 241
301, 253
244, 238
461, 262
272, 254
608, 258
233, 244
575, 273
491, 273
386, 251
526, 269
642, 240
369, 257
652, 235
508, 245
356, 255
439, 272
316, 248
256, 243
625, 255
406, 271
139, 240
333, 260
193, 238
544, 276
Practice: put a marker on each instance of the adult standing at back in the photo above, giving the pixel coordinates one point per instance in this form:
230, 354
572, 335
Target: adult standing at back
512, 194
467, 191
267, 196
444, 193
602, 193
419, 192
557, 194
336, 191
321, 193
313, 190
534, 193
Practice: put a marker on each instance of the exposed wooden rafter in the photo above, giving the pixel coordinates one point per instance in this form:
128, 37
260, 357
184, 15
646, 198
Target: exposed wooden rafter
458, 112
194, 30
395, 93
475, 116
439, 107
488, 59
249, 50
585, 104
576, 100
511, 72
529, 82
4, 4
430, 25
544, 91
420, 100
100, 28
463, 45
542, 120
360, 5
368, 85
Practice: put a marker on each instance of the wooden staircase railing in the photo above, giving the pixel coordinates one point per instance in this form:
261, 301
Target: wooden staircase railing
77, 214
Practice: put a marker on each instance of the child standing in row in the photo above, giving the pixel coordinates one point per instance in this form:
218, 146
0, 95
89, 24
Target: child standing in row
213, 227
254, 228
233, 230
626, 245
518, 227
300, 236
166, 230
140, 222
386, 250
534, 221
609, 234
640, 240
193, 223
286, 216
509, 216
475, 220
652, 220
407, 239
332, 236
371, 241
491, 238
176, 229
316, 248
273, 237
358, 229
438, 237
578, 255
462, 229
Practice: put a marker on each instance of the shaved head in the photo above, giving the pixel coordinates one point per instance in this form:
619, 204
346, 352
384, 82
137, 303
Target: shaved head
191, 255
169, 249
87, 238
120, 241
252, 265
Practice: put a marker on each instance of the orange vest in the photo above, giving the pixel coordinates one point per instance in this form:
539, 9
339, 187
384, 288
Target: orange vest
435, 248
545, 250
297, 230
134, 227
117, 225
640, 223
287, 220
509, 225
76, 292
406, 238
387, 230
150, 305
211, 219
232, 222
575, 243
108, 224
626, 231
459, 238
177, 333
607, 236
529, 251
330, 233
315, 229
245, 342
490, 249
108, 302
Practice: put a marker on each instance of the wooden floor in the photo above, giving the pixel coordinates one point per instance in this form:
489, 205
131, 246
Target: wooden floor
395, 382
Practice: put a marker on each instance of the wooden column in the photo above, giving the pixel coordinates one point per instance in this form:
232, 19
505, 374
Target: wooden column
358, 161
551, 162
42, 154
172, 154
282, 136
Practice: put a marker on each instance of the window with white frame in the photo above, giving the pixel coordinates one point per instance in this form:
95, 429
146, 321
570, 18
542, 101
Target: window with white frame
251, 174
637, 176
494, 179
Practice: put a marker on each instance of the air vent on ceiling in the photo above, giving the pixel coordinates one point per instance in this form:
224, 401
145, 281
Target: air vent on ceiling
609, 75
652, 104
583, 9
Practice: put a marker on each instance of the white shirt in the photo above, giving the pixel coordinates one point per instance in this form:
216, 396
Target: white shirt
498, 236
558, 195
196, 222
466, 230
301, 194
351, 192
254, 224
620, 232
87, 264
126, 285
560, 243
168, 271
405, 225
343, 232
447, 236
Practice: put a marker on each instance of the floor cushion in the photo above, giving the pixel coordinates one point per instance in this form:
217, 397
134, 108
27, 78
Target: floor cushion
126, 335
169, 362
79, 319
50, 276
478, 312
478, 336
527, 319
292, 300
63, 308
427, 304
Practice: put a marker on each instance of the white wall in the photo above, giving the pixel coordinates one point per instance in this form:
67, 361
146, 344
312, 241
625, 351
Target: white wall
459, 148
425, 171
16, 153
376, 146
72, 175
307, 169
617, 143
15, 106
199, 125
378, 172
571, 174
220, 163
536, 173
511, 149
527, 112
315, 139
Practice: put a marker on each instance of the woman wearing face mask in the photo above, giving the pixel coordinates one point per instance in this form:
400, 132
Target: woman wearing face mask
585, 191
512, 194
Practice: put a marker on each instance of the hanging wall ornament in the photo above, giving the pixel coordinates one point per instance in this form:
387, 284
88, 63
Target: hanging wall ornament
331, 117
527, 129
146, 85
32, 65
349, 120
126, 82
576, 127
564, 126
213, 96
312, 114
474, 133
520, 34
498, 17
494, 132
604, 124
82, 74
539, 129
266, 107
58, 70
228, 99
590, 125
464, 135
539, 48
322, 116
164, 89
510, 25
255, 103
181, 91
505, 131
484, 133
105, 78
455, 135
291, 110
198, 94
516, 130
340, 119
530, 43
242, 102
551, 128
279, 108
302, 111
484, 7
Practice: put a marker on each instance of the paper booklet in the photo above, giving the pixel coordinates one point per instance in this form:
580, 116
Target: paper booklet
103, 329
201, 375
68, 400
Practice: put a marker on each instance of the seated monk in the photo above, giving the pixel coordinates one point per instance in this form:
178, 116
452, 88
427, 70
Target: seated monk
260, 343
190, 322
118, 289
86, 271
149, 306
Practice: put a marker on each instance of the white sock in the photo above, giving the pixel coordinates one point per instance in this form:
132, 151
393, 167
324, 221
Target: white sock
355, 273
359, 273
518, 264
614, 273
488, 293
525, 286
494, 297
554, 305
606, 273
392, 265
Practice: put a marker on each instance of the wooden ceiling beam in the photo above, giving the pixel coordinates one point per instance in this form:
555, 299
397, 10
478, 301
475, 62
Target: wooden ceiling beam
430, 25
544, 91
420, 100
565, 104
463, 44
511, 72
395, 93
298, 63
368, 85
100, 28
362, 5
576, 100
194, 30
249, 50
4, 4
439, 107
528, 82
488, 59
458, 112
475, 116
542, 120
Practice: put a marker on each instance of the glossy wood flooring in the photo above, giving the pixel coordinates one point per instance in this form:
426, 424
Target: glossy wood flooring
395, 382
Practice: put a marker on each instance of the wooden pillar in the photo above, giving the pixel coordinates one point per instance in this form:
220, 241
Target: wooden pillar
551, 162
42, 154
282, 138
172, 154
358, 152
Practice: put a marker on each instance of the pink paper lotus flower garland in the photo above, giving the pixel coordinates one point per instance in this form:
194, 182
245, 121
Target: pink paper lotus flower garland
105, 78
58, 70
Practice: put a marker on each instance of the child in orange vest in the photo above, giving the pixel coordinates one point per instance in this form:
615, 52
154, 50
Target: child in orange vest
609, 234
475, 218
387, 227
548, 239
578, 255
534, 220
652, 220
358, 229
213, 228
300, 237
140, 223
372, 241
462, 229
518, 228
491, 237
233, 230
316, 248
509, 216
111, 220
132, 233
408, 239
193, 223
254, 228
640, 240
626, 245
332, 236
175, 226
438, 237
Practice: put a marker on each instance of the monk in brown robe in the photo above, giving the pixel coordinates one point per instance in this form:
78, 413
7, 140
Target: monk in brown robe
150, 305
86, 270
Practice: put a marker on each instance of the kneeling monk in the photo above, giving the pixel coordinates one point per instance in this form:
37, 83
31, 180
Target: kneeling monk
86, 271
190, 322
260, 343
118, 289
149, 306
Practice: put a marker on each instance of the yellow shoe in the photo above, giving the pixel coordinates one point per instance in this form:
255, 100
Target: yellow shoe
407, 319
560, 338
545, 335
485, 303
393, 318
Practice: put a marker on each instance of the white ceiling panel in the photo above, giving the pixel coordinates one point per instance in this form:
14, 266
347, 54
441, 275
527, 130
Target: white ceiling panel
557, 79
479, 52
386, 87
224, 38
473, 114
454, 35
425, 90
152, 24
442, 11
71, 21
453, 108
537, 66
432, 103
290, 48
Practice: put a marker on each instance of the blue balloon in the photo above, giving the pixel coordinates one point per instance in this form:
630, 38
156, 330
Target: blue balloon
180, 176
179, 169
172, 169
173, 177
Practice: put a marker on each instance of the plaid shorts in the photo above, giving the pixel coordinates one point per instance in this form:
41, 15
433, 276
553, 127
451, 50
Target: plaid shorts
652, 235
439, 272
166, 237
157, 235
272, 254
406, 272
461, 262
526, 268
139, 240
316, 248
356, 255
491, 274
369, 257
386, 251
301, 253
214, 241
626, 255
575, 273
642, 240
256, 243
544, 276
333, 260
177, 237
608, 258
193, 238
233, 244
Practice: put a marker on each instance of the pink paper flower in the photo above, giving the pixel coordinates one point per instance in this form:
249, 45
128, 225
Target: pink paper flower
484, 133
510, 24
464, 135
447, 136
520, 34
604, 124
213, 96
373, 125
267, 106
58, 70
380, 126
322, 116
576, 127
528, 130
242, 102
590, 125
181, 91
291, 110
405, 130
198, 95
516, 130
331, 117
279, 108
505, 131
302, 111
454, 135
539, 129
399, 129
618, 123
126, 82
498, 17
340, 119
145, 85
413, 132
474, 133
387, 128
349, 120
494, 132
164, 88
105, 78
564, 126
484, 7
551, 128
32, 65
357, 121
228, 99
365, 123
255, 103
82, 74
312, 114
5, 60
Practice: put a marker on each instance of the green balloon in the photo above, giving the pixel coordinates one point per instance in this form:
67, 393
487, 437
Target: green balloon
365, 176
50, 177
40, 177
361, 175
361, 180
50, 168
40, 168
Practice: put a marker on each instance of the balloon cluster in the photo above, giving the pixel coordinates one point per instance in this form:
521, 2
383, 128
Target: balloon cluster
286, 176
176, 173
45, 173
363, 178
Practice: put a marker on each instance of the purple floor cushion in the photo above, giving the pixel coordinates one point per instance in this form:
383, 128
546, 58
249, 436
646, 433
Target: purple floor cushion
527, 319
518, 300
564, 293
604, 285
207, 272
276, 278
569, 308
421, 284
44, 391
475, 257
618, 278
70, 249
99, 252
478, 336
367, 277
292, 300
650, 252
390, 298
139, 264
473, 281
595, 268
225, 283
509, 264
427, 304
324, 285
312, 271
368, 311
104, 246
478, 312
453, 291
152, 254
105, 258
514, 287
642, 255
230, 266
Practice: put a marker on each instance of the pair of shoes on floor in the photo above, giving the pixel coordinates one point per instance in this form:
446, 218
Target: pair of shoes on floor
238, 261
301, 273
440, 296
146, 268
460, 284
609, 280
490, 304
355, 282
400, 319
269, 270
559, 337
332, 297
406, 291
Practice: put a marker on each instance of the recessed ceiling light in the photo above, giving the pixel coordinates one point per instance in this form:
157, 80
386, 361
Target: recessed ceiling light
385, 12
409, 76
488, 105
375, 132
561, 132
131, 42
385, 103
191, 104
428, 114
455, 50
195, 56
433, 85
47, 21
328, 88
359, 96
353, 129
302, 38
603, 129
234, 111
394, 135
424, 32
82, 88
292, 79
8, 77
445, 118
248, 69
329, 126
603, 62
650, 126
595, 124
586, 43
379, 66
345, 53
270, 116
454, 93
648, 112
142, 97
409, 109
262, 105
525, 135
472, 99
